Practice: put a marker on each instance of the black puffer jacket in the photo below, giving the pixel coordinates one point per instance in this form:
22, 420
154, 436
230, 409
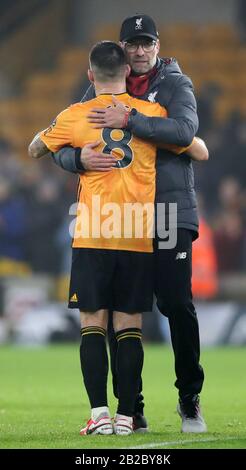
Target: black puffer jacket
175, 178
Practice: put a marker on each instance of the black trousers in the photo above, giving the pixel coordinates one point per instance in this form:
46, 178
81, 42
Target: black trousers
173, 270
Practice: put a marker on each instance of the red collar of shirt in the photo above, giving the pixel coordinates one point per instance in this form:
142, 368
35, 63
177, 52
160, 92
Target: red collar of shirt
138, 85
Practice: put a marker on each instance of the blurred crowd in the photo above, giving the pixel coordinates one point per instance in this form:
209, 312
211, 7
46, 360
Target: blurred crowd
220, 182
34, 204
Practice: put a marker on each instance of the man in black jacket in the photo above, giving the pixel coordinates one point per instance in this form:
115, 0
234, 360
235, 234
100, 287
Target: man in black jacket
161, 80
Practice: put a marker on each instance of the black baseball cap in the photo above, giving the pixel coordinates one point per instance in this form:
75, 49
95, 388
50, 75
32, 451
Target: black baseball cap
137, 26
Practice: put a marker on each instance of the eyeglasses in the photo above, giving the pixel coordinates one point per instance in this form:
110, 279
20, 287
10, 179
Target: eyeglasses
146, 46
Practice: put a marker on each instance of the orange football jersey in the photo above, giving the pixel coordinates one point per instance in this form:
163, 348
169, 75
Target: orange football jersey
115, 208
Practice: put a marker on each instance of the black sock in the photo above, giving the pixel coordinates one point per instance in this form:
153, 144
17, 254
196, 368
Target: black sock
129, 368
94, 364
113, 348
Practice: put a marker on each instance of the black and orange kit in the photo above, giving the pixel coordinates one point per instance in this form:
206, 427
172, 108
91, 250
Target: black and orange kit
112, 259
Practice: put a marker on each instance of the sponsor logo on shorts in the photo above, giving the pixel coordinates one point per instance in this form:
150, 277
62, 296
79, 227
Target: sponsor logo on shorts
74, 298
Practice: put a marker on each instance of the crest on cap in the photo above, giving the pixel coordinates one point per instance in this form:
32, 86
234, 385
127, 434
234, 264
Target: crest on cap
139, 23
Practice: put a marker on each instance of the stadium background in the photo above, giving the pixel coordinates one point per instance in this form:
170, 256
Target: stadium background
44, 57
44, 49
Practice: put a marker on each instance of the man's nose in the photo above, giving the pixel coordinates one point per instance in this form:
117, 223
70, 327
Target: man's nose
140, 50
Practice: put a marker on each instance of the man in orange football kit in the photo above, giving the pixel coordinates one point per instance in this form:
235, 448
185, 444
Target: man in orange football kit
112, 266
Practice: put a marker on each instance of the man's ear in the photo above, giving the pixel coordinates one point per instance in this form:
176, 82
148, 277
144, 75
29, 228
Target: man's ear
158, 46
128, 70
90, 75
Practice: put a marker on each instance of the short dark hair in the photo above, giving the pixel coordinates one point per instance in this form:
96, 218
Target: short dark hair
107, 59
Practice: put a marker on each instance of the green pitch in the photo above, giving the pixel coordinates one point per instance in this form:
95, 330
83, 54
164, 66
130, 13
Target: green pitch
43, 403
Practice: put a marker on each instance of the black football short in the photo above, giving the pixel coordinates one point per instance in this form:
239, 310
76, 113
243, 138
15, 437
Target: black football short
111, 279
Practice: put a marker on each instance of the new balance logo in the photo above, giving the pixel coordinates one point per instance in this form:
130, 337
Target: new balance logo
181, 255
74, 298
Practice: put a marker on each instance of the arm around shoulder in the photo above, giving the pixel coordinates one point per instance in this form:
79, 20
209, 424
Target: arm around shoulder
179, 128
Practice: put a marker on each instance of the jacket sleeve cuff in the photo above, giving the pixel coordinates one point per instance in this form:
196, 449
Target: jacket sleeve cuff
130, 119
78, 163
